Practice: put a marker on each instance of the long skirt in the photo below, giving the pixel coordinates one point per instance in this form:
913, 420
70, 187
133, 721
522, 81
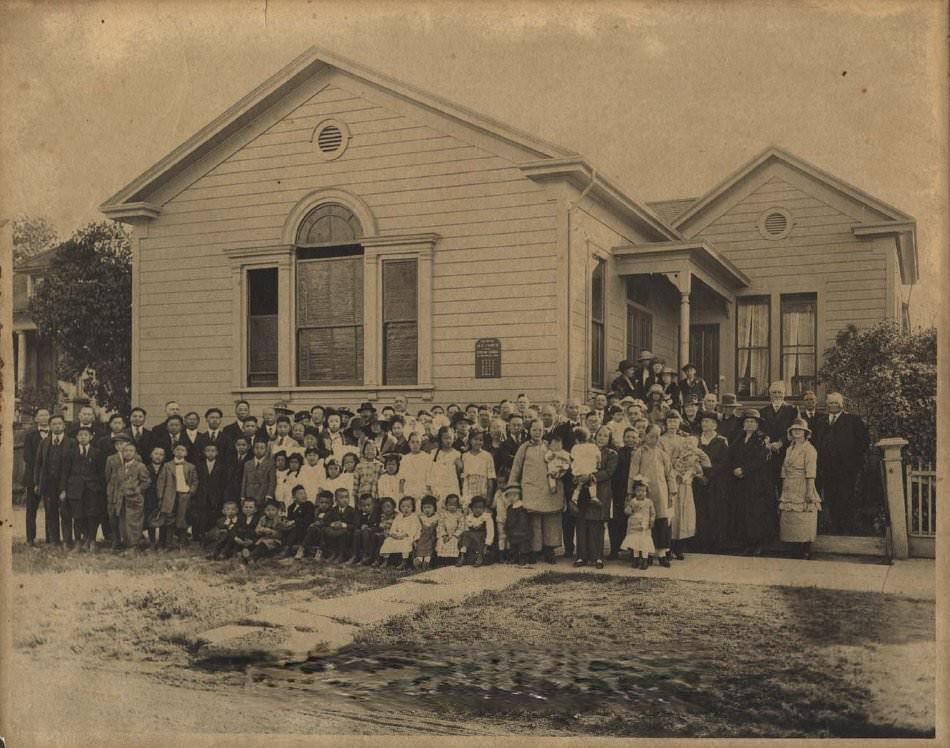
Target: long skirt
546, 531
683, 523
798, 527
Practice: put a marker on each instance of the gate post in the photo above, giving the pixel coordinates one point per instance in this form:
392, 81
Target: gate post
894, 488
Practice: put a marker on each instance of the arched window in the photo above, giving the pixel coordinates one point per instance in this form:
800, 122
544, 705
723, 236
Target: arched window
330, 223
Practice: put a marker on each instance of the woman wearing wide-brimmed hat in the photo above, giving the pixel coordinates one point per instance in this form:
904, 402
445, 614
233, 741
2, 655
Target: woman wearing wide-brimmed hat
799, 503
656, 404
751, 486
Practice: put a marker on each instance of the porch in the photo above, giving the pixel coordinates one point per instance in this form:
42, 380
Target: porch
682, 292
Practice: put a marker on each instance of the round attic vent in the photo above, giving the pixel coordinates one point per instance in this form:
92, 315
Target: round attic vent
775, 223
331, 138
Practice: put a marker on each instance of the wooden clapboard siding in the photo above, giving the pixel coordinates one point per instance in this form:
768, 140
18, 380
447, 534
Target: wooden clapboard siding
493, 272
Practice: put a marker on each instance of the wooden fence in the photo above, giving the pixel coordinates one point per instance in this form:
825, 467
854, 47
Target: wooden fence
920, 495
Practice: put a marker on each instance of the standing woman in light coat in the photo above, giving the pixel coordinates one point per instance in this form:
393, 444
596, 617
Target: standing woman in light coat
652, 462
544, 506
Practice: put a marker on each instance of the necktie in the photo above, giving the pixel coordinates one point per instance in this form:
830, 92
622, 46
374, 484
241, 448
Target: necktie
56, 441
84, 451
834, 418
214, 436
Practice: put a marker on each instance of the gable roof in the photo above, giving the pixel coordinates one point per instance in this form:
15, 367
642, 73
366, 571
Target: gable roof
132, 199
670, 210
895, 222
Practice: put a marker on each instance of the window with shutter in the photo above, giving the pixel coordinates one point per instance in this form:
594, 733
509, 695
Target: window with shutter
262, 327
400, 322
330, 320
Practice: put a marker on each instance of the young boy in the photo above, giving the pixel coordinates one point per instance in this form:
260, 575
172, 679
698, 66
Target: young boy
84, 490
212, 485
260, 476
270, 531
517, 528
341, 520
314, 536
178, 482
478, 534
365, 544
219, 540
127, 508
235, 463
245, 531
300, 515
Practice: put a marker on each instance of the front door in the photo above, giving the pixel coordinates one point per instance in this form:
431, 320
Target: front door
704, 353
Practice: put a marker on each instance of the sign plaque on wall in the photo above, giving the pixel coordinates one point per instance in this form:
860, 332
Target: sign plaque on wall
488, 358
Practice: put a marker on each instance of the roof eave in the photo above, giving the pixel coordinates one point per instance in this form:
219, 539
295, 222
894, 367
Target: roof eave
905, 236
127, 212
737, 278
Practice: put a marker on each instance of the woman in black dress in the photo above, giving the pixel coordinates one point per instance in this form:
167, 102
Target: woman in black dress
713, 509
750, 487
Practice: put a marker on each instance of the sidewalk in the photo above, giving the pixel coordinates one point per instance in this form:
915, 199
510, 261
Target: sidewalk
295, 633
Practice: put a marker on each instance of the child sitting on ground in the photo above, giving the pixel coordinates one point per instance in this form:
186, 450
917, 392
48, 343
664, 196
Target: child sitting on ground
245, 533
640, 517
425, 543
365, 540
585, 459
218, 539
478, 533
517, 528
340, 522
313, 540
300, 515
402, 534
270, 530
449, 528
387, 515
558, 461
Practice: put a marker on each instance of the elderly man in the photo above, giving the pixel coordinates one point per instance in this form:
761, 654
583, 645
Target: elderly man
844, 443
730, 424
816, 421
777, 416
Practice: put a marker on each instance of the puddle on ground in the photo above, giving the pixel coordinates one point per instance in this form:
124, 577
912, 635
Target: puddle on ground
541, 682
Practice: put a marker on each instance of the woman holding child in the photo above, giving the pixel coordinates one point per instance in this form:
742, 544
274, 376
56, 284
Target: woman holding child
543, 504
594, 512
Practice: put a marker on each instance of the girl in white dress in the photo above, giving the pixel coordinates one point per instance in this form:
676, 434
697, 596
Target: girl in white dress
312, 473
403, 534
414, 469
445, 466
640, 515
450, 528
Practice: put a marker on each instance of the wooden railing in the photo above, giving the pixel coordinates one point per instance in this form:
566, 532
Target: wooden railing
920, 495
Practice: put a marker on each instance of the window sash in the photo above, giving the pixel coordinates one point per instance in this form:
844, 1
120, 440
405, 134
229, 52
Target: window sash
400, 322
799, 354
639, 332
262, 338
753, 321
598, 334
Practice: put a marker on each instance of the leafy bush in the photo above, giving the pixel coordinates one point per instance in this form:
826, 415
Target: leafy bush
890, 378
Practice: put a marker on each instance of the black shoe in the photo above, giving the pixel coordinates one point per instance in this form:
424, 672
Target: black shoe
644, 565
599, 564
579, 562
665, 562
678, 555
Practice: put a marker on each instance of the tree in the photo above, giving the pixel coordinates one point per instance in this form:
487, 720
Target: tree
84, 305
890, 378
31, 235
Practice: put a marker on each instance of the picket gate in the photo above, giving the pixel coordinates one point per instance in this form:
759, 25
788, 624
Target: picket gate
920, 495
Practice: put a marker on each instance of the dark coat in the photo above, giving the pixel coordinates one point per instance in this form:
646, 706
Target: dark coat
99, 429
818, 423
259, 483
604, 477
232, 431
775, 423
730, 427
697, 387
31, 448
235, 479
751, 495
623, 387
164, 440
301, 514
221, 441
84, 484
211, 486
715, 514
143, 444
843, 446
52, 463
347, 514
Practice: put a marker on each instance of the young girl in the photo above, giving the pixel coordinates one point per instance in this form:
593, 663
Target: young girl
688, 465
425, 543
640, 517
478, 470
402, 534
389, 483
413, 469
368, 470
312, 473
387, 515
449, 528
445, 466
585, 459
478, 533
558, 461
285, 485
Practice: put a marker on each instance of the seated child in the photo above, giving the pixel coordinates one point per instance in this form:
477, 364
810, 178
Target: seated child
300, 515
478, 533
449, 528
313, 540
340, 521
387, 515
558, 461
365, 540
270, 531
425, 543
640, 517
585, 458
389, 482
402, 534
245, 532
219, 538
517, 528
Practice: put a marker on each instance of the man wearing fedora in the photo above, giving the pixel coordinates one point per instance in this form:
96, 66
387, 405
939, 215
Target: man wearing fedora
625, 385
730, 424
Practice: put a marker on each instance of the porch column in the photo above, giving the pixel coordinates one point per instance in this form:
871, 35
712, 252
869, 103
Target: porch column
21, 350
684, 283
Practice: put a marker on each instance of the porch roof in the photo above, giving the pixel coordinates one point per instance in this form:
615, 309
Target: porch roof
683, 259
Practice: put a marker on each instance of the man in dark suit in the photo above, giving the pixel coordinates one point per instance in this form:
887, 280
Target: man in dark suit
212, 485
104, 444
49, 476
242, 409
777, 416
31, 447
235, 468
141, 436
85, 493
844, 443
169, 436
214, 435
730, 424
172, 409
86, 417
816, 421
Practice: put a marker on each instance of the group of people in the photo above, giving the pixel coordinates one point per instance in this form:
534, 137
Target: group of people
475, 484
